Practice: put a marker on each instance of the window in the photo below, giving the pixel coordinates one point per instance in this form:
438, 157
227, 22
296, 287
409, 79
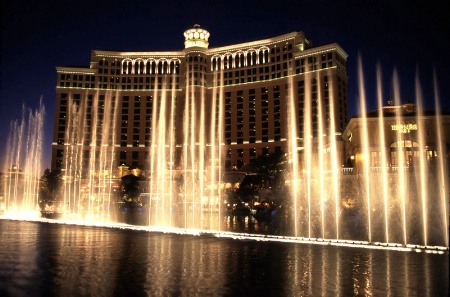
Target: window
123, 155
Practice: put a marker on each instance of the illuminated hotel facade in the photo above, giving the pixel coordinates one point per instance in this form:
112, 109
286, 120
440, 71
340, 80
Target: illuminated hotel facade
253, 79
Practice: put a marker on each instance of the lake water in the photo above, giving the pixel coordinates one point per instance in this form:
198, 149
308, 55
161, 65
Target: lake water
43, 259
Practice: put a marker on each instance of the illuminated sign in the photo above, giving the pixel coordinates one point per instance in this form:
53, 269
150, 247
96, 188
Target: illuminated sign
198, 43
404, 128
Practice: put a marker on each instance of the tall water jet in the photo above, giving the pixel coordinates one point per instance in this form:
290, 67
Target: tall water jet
217, 148
321, 168
365, 151
161, 195
294, 173
401, 183
422, 182
383, 164
335, 166
307, 138
442, 180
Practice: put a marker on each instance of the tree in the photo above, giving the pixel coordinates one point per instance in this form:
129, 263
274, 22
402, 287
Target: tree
50, 187
248, 188
270, 173
270, 168
130, 184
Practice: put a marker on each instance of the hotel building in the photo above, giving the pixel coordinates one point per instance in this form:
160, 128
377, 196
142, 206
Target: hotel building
253, 81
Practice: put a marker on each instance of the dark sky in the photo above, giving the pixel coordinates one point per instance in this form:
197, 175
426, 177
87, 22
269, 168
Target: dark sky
37, 36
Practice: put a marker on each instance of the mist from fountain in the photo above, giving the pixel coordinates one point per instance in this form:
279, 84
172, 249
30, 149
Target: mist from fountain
87, 193
184, 187
402, 204
185, 156
316, 196
22, 166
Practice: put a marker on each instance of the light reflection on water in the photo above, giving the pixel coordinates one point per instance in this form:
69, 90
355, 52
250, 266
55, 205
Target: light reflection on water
41, 259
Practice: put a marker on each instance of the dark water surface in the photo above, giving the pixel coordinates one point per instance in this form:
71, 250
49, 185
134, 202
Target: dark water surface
42, 259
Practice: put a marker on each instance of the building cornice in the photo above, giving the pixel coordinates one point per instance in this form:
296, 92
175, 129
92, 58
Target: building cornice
69, 69
321, 49
122, 55
252, 44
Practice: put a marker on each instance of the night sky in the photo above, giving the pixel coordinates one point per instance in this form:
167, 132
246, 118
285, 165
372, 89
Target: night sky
37, 36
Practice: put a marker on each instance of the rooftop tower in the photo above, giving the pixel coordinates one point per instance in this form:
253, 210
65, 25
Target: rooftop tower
196, 37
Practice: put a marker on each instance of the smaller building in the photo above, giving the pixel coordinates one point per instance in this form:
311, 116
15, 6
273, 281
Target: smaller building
402, 132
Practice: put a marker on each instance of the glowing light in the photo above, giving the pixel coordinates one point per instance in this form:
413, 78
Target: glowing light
404, 128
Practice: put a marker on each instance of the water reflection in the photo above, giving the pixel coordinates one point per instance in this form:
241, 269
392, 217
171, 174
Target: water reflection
52, 259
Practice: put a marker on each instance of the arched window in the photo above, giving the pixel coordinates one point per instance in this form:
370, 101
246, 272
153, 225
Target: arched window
404, 144
227, 61
162, 66
126, 66
404, 153
241, 60
219, 63
261, 56
159, 67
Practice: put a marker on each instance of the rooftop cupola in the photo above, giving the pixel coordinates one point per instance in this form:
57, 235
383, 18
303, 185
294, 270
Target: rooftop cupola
196, 37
